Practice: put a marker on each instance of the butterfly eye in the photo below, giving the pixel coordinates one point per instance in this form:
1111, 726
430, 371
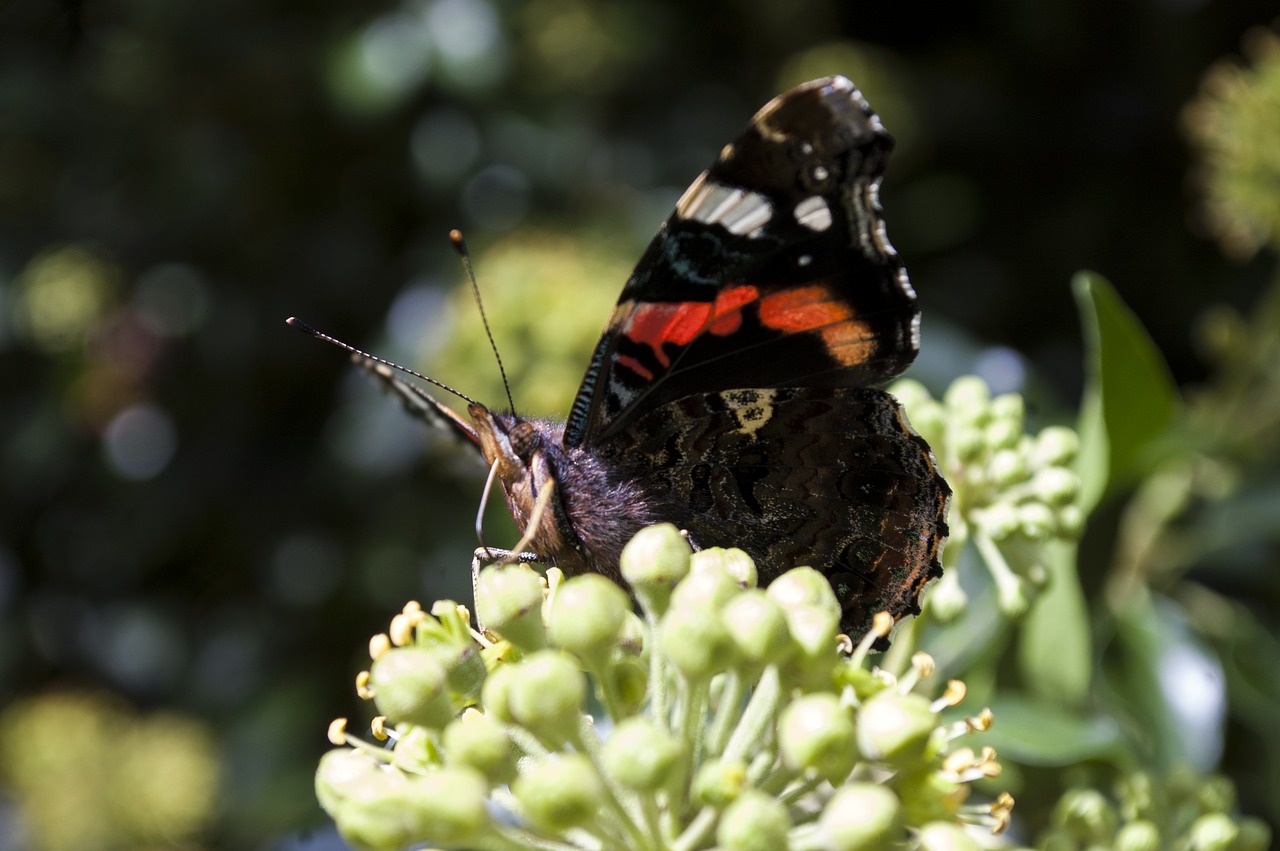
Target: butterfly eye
524, 439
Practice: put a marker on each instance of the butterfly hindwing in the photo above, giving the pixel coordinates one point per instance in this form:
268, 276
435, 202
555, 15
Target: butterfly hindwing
833, 478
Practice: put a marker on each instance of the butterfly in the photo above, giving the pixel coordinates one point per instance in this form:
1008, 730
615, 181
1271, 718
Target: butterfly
733, 392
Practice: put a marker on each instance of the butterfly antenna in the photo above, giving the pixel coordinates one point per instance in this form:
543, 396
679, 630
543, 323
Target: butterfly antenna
320, 335
455, 236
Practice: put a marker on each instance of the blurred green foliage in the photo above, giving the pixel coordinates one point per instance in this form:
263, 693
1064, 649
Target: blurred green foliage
202, 511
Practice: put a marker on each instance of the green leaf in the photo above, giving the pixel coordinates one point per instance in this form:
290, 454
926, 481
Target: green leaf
1169, 681
1055, 646
1033, 732
1129, 397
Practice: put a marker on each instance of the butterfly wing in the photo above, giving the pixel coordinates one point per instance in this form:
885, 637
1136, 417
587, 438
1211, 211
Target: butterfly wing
833, 478
773, 271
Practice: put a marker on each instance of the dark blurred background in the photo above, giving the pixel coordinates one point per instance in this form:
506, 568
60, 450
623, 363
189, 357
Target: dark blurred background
204, 515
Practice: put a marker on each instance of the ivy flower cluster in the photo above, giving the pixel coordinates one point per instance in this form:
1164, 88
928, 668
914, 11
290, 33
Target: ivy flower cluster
1013, 492
727, 716
1148, 813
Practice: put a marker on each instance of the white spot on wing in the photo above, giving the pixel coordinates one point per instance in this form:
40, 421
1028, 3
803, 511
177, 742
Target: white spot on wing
733, 208
813, 213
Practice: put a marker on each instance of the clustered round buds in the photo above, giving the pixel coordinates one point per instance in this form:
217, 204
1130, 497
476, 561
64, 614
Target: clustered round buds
1147, 814
1013, 492
728, 715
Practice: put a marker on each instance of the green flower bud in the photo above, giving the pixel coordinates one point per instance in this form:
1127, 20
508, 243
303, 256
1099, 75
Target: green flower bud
343, 773
1011, 597
1009, 408
653, 562
1212, 832
1056, 485
586, 618
560, 793
1254, 835
1056, 446
946, 599
1003, 434
641, 755
509, 602
1070, 521
928, 418
630, 682
911, 395
1086, 815
1138, 836
895, 728
815, 734
966, 443
757, 627
410, 685
928, 795
379, 817
495, 695
861, 817
477, 741
1216, 794
696, 642
1036, 520
754, 822
449, 805
705, 590
946, 836
632, 635
464, 671
968, 399
415, 750
718, 782
803, 586
545, 695
732, 562
1006, 467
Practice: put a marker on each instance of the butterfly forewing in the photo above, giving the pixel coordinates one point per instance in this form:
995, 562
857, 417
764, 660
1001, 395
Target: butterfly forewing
774, 270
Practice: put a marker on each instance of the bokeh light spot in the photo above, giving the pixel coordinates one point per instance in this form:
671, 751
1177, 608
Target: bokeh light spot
62, 293
140, 441
497, 198
305, 570
172, 299
444, 144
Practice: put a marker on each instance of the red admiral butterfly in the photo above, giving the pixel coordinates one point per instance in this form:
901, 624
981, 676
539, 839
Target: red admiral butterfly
730, 393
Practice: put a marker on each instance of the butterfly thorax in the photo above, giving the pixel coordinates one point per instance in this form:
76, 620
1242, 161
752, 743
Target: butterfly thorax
595, 508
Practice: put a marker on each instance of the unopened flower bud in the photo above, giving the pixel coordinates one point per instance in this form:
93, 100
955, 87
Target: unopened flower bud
757, 627
560, 793
1138, 836
754, 822
474, 739
1056, 446
696, 642
895, 728
586, 617
641, 755
862, 817
946, 836
653, 562
1212, 832
545, 695
411, 686
509, 602
815, 734
718, 782
968, 399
